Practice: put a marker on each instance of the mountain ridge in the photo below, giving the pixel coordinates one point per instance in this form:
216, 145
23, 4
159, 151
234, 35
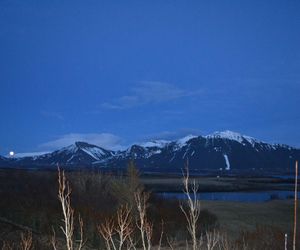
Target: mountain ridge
226, 150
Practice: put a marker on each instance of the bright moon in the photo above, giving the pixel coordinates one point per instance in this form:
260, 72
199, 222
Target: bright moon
11, 153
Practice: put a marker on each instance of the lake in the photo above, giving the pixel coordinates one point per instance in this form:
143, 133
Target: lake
255, 196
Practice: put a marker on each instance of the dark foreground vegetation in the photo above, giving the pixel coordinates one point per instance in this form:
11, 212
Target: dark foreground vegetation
31, 214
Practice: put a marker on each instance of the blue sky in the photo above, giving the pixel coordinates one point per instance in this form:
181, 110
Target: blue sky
118, 72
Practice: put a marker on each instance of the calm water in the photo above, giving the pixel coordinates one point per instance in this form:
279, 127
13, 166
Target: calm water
257, 196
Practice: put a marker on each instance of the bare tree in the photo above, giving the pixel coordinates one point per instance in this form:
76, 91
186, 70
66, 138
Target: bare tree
144, 225
81, 242
170, 243
64, 196
161, 235
117, 234
124, 225
225, 244
6, 246
26, 240
295, 206
192, 211
212, 239
107, 230
53, 240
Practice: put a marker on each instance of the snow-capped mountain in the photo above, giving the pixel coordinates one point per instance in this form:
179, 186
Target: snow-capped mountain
80, 153
225, 150
221, 150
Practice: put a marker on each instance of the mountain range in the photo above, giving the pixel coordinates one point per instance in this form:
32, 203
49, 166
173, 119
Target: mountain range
222, 151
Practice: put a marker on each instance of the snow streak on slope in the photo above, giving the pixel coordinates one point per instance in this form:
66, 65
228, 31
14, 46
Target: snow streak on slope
227, 162
96, 153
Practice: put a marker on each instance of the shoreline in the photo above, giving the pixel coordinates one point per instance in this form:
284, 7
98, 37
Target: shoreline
218, 184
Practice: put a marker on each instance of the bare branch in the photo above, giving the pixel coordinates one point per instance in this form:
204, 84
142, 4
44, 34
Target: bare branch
81, 242
161, 235
170, 243
53, 239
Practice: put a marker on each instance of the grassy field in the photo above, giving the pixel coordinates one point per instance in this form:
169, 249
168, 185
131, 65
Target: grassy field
237, 216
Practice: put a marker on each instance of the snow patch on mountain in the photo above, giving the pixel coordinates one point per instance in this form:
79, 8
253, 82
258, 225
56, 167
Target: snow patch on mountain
183, 141
149, 154
156, 143
227, 162
233, 136
69, 149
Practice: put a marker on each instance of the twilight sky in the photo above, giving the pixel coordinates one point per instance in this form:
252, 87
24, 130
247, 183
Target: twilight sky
117, 72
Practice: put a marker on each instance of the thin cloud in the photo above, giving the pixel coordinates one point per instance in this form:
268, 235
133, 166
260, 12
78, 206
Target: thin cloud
29, 154
172, 135
51, 114
149, 92
105, 140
